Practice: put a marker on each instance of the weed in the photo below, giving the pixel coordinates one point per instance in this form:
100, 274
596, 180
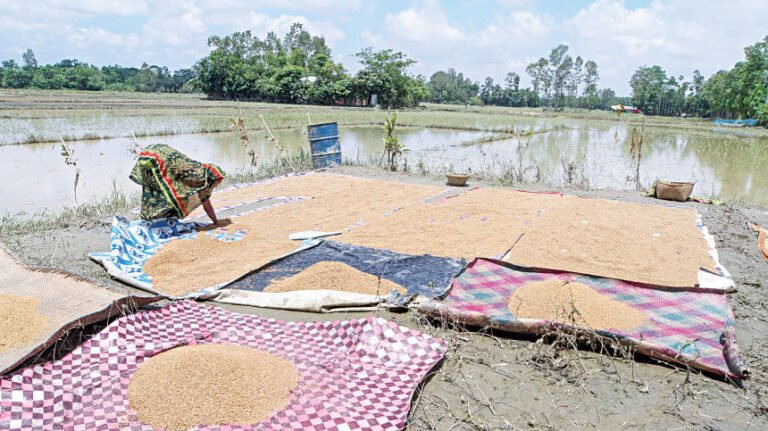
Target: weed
68, 152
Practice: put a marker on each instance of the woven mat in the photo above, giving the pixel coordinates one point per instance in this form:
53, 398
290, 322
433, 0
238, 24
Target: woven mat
685, 327
356, 374
65, 299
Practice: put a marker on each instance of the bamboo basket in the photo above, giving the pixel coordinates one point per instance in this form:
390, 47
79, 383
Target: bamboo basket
457, 179
673, 191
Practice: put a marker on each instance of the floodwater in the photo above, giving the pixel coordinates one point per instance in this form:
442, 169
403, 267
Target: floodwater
595, 156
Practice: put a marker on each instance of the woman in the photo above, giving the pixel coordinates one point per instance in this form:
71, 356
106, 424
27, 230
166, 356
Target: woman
173, 185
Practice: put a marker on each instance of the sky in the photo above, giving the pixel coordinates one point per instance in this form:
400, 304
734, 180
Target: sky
480, 38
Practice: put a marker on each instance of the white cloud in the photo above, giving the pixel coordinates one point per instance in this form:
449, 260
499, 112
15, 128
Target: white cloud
426, 33
516, 4
260, 24
424, 25
84, 37
324, 6
496, 36
108, 7
679, 35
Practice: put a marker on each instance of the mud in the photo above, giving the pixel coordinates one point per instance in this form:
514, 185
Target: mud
493, 381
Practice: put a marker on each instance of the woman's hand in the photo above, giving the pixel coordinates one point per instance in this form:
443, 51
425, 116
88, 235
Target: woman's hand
223, 222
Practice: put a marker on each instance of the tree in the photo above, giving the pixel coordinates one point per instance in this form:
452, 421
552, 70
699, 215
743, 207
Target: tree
512, 81
486, 92
451, 87
30, 62
559, 77
385, 74
648, 89
591, 99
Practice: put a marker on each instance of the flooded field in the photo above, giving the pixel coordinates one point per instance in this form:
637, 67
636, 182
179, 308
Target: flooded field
585, 150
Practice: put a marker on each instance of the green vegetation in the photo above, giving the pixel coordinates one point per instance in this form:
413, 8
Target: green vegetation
392, 145
739, 92
558, 81
564, 81
76, 75
299, 69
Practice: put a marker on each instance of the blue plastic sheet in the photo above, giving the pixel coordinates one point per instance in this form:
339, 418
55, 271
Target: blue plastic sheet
746, 122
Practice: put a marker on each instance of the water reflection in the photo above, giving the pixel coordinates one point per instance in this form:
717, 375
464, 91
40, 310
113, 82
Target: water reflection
35, 177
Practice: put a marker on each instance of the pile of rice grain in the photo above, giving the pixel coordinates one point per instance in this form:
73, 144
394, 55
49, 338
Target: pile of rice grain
335, 276
20, 323
574, 304
210, 384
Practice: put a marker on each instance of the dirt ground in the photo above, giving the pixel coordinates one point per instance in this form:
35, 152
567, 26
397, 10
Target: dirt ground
495, 381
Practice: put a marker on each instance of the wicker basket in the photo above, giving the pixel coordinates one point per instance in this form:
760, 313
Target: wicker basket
457, 179
673, 191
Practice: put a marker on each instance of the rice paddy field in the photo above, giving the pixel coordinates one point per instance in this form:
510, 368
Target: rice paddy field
488, 380
582, 149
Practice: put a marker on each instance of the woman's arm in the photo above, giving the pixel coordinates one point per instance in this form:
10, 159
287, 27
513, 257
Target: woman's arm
209, 210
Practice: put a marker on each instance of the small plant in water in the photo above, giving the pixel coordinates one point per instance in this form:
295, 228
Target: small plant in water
634, 150
239, 124
392, 145
68, 153
270, 137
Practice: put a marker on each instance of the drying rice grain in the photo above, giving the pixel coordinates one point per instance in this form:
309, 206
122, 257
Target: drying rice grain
642, 243
574, 304
184, 266
20, 323
335, 276
482, 222
210, 384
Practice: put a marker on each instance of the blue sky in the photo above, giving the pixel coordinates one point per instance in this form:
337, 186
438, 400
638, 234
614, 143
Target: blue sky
478, 37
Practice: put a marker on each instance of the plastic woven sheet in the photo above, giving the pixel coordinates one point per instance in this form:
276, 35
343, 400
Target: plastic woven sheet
685, 327
65, 300
424, 275
133, 243
356, 374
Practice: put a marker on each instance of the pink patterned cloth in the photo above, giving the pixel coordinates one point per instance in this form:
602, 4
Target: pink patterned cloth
356, 374
684, 327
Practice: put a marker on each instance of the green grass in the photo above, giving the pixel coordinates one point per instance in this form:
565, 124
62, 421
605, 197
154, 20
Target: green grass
71, 216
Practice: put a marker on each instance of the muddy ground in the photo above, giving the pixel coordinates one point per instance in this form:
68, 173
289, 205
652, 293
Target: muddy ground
495, 381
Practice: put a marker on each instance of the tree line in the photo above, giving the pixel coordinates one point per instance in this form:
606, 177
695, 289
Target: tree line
299, 68
76, 75
558, 81
738, 92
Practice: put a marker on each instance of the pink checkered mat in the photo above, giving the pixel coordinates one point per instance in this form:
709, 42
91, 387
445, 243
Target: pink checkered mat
686, 327
356, 374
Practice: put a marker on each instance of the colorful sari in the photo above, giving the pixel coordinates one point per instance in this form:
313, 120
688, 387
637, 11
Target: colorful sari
172, 184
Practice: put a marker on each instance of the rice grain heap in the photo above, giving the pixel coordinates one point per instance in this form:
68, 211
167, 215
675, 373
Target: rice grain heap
335, 276
573, 303
210, 384
20, 322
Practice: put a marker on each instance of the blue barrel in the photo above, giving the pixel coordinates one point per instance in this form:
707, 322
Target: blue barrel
324, 145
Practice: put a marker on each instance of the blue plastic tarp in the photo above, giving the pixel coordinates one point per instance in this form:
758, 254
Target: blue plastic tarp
426, 275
